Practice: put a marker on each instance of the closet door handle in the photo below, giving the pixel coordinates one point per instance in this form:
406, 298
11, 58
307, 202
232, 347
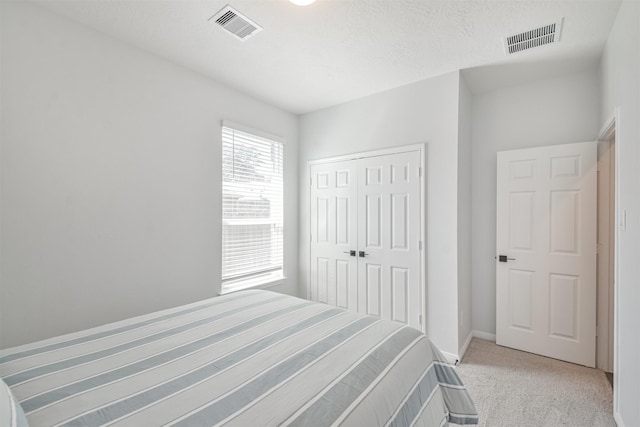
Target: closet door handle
351, 253
362, 254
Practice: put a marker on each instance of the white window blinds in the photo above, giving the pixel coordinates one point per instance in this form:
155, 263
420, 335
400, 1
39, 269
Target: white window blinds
252, 205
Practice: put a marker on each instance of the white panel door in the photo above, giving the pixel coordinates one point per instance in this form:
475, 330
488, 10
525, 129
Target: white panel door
389, 212
546, 243
334, 231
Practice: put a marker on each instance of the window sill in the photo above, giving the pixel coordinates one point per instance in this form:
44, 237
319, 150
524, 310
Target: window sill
260, 282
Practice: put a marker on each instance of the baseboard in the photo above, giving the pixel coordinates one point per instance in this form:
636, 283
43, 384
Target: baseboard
451, 358
484, 335
454, 359
617, 419
465, 346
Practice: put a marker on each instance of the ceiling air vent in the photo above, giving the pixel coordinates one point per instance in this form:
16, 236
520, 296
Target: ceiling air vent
533, 38
235, 23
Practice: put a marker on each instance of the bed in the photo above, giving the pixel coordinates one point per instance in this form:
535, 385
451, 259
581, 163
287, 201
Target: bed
248, 358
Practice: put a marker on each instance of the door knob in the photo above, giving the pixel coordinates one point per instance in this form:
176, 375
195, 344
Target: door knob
504, 258
362, 254
351, 253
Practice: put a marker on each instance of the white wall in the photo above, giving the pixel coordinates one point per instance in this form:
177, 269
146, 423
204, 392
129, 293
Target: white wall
111, 178
620, 73
423, 112
464, 214
548, 112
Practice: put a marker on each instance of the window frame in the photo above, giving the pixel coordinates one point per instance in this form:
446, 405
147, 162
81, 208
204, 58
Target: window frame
262, 279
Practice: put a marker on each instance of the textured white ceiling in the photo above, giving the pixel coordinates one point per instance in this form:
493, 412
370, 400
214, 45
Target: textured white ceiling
308, 58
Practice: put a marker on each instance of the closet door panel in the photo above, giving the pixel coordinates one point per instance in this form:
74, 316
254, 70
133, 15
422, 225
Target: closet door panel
389, 237
334, 234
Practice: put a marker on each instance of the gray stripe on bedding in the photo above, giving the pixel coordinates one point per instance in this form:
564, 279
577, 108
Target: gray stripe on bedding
447, 375
150, 396
455, 396
419, 397
110, 332
328, 408
434, 413
463, 420
459, 404
30, 374
230, 404
61, 393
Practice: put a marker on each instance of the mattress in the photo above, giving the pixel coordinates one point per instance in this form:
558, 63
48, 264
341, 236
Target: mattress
248, 358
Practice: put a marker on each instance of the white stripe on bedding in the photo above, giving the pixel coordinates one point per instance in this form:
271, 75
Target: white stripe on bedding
406, 403
415, 401
429, 414
421, 411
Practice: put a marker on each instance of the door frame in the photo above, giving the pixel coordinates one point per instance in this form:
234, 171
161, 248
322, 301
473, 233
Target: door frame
610, 131
421, 148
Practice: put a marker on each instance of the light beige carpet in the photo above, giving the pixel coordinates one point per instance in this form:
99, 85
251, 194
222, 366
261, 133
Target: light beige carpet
514, 388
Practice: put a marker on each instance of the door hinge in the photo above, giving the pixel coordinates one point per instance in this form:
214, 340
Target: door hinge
419, 245
311, 237
420, 319
310, 181
419, 171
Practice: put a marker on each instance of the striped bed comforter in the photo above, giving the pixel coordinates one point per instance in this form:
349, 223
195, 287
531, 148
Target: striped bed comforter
246, 359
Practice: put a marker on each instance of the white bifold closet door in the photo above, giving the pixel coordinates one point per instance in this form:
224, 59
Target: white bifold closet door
334, 215
365, 236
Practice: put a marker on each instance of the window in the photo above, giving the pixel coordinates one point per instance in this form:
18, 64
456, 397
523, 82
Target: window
252, 208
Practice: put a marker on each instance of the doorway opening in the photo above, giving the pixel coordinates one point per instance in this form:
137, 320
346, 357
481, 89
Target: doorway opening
607, 242
605, 254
